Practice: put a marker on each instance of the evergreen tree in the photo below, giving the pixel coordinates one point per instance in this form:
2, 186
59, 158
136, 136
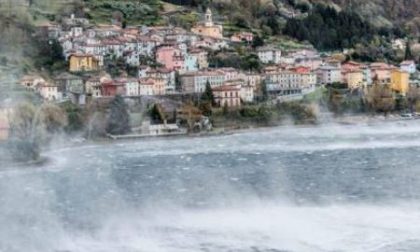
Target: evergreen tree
178, 84
408, 53
74, 116
257, 42
264, 91
155, 114
208, 96
206, 108
328, 29
119, 119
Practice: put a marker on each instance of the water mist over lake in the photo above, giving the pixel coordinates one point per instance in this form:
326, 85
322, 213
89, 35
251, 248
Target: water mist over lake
326, 188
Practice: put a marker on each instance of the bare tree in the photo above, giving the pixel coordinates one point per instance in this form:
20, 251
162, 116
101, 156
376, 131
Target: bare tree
380, 98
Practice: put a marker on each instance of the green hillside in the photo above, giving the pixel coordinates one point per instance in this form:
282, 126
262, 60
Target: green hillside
130, 12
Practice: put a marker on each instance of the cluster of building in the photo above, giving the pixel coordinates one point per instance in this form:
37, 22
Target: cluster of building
170, 61
181, 65
173, 50
358, 75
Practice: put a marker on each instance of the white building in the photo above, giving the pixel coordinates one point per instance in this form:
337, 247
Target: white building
269, 55
31, 81
247, 93
146, 86
76, 31
294, 81
93, 87
253, 80
49, 91
195, 82
408, 66
131, 86
329, 74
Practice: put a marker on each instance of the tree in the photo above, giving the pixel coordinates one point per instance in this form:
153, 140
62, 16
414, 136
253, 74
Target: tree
208, 96
257, 41
30, 128
74, 117
47, 54
328, 29
25, 133
118, 119
53, 118
264, 91
413, 98
274, 24
206, 108
380, 98
114, 66
251, 62
156, 115
408, 53
178, 84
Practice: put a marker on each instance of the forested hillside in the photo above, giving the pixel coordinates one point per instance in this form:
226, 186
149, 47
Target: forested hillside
130, 11
326, 28
404, 14
385, 12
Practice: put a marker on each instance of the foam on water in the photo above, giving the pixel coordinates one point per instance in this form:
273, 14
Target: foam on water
285, 189
251, 228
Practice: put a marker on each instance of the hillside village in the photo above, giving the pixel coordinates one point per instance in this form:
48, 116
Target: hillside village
170, 67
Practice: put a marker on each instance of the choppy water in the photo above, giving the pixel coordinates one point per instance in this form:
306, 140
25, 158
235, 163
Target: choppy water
335, 188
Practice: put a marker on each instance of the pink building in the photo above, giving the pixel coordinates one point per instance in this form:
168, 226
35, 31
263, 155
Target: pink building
242, 36
170, 57
111, 88
350, 66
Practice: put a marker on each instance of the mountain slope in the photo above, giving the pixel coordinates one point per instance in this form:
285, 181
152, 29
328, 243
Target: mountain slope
380, 13
404, 13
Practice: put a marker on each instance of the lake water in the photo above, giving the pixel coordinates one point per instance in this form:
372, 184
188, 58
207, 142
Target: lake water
327, 188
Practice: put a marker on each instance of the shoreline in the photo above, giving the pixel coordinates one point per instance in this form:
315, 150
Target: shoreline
347, 120
71, 142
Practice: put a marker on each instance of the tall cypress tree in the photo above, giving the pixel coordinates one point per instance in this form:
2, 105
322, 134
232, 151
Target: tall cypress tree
408, 53
264, 91
208, 95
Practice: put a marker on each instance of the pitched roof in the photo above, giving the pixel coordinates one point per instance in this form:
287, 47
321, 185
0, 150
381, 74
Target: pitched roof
407, 62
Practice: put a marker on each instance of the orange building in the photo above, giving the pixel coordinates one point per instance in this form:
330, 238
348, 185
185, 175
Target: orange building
400, 81
83, 63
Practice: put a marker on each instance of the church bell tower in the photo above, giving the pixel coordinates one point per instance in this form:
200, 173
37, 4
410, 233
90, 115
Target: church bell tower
208, 18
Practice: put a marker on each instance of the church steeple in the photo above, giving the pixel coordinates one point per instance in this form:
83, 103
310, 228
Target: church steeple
208, 18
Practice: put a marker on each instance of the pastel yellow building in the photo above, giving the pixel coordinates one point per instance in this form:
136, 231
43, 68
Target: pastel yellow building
354, 79
208, 28
400, 81
83, 63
